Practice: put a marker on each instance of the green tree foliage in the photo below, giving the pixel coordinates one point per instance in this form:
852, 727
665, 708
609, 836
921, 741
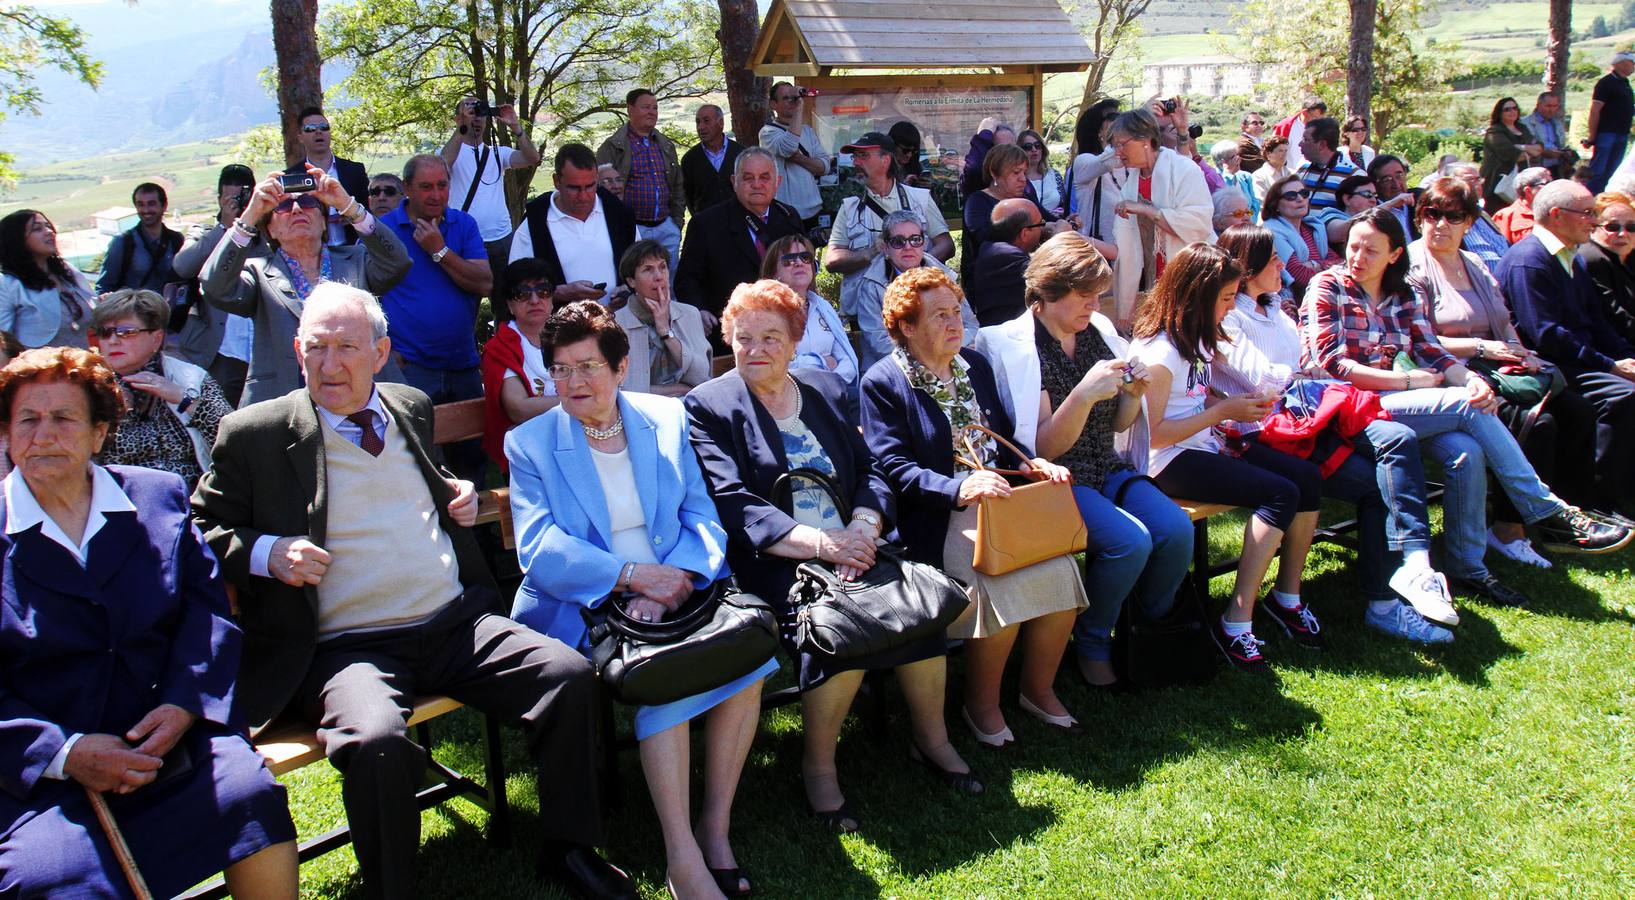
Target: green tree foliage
563, 63
1305, 44
1598, 27
29, 41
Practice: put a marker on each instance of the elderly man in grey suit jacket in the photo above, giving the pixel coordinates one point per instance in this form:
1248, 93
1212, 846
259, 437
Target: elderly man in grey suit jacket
317, 504
271, 289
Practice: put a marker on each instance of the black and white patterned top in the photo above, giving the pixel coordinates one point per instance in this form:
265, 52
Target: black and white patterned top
1091, 458
150, 434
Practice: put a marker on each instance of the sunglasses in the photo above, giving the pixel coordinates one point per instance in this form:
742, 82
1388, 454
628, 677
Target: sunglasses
801, 256
1436, 215
305, 201
1031, 146
898, 241
1302, 194
1366, 195
531, 291
1618, 227
383, 191
309, 129
122, 332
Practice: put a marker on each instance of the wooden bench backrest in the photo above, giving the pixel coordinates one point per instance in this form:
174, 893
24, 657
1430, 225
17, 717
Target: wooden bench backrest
721, 365
461, 420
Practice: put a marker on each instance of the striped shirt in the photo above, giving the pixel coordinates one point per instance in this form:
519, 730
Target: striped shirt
1486, 242
1325, 180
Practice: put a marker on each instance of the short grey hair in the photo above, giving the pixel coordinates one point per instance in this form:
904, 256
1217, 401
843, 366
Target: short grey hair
713, 106
334, 293
424, 159
1535, 176
1003, 127
1462, 165
749, 153
1555, 195
900, 217
1008, 228
1222, 150
1228, 200
1138, 124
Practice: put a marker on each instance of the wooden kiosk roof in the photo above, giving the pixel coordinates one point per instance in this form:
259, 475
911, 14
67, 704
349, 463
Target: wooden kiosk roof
815, 37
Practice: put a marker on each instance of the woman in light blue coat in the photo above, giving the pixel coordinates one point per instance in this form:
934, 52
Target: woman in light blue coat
607, 498
1300, 238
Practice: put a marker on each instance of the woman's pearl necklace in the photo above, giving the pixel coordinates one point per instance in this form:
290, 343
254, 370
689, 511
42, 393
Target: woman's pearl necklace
612, 431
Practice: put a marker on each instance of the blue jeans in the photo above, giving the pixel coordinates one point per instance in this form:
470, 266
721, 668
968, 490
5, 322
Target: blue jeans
1141, 549
465, 458
1385, 480
1468, 444
1609, 152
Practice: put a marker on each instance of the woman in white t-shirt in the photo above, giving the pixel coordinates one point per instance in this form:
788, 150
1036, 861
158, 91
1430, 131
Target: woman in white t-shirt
1188, 459
515, 385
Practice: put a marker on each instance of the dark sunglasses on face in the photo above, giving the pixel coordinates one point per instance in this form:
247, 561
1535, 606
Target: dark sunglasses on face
1302, 194
1031, 146
898, 241
800, 256
525, 292
1436, 215
108, 332
305, 201
309, 129
384, 190
1366, 195
1618, 227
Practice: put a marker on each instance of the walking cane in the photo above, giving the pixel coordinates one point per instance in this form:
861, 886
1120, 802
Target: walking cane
116, 839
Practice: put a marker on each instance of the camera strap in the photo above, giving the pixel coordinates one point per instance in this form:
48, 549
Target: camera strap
476, 177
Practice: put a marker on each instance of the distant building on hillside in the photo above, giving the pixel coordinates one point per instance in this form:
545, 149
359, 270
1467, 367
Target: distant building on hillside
1203, 76
114, 220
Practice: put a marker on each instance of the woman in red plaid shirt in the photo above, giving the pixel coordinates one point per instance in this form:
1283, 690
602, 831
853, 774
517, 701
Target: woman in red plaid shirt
1361, 323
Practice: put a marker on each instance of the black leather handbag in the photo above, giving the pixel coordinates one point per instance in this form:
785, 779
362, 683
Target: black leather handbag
896, 602
720, 633
1174, 649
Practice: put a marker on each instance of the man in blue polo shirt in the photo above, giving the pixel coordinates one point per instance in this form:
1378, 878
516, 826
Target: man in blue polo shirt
432, 313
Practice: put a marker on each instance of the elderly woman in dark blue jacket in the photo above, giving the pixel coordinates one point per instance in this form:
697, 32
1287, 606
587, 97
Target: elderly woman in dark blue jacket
915, 403
117, 665
748, 427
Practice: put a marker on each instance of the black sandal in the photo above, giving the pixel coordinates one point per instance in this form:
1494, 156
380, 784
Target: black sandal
964, 782
731, 882
840, 820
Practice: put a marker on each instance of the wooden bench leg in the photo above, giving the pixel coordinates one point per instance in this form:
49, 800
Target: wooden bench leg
499, 806
1200, 560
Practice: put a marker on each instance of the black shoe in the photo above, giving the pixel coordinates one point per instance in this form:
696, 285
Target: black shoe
1611, 516
1298, 623
840, 820
1571, 531
964, 782
584, 873
1243, 651
1487, 588
732, 882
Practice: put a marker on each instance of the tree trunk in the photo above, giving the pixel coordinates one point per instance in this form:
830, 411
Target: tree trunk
295, 40
1560, 40
1359, 85
746, 94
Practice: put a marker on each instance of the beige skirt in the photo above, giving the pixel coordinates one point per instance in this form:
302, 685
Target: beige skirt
999, 601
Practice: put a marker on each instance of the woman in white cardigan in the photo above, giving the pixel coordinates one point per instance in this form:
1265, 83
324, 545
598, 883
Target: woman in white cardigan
669, 353
1164, 205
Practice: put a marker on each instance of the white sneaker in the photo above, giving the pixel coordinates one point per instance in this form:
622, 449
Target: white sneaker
1403, 622
1427, 591
1521, 550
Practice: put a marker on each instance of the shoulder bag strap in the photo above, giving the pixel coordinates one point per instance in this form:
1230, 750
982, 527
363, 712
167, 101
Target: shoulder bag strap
972, 461
783, 489
477, 177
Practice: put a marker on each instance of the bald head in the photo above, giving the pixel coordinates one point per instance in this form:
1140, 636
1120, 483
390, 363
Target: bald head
1015, 222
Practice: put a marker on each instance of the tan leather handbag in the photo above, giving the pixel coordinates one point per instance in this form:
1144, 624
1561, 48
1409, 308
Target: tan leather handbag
1038, 521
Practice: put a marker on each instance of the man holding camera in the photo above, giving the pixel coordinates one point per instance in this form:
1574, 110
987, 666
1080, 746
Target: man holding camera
646, 161
315, 139
218, 342
800, 155
477, 169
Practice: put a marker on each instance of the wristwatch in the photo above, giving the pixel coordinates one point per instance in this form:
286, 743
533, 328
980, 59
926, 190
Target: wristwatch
868, 517
438, 256
1479, 352
187, 401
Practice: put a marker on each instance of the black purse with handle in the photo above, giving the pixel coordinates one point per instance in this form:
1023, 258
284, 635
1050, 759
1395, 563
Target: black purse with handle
895, 603
719, 634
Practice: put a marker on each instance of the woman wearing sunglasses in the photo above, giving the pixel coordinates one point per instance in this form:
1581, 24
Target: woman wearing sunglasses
172, 407
1301, 238
1506, 147
1046, 182
44, 301
1607, 256
902, 244
824, 344
272, 289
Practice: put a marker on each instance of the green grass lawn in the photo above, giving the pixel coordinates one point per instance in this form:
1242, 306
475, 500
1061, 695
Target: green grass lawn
1498, 766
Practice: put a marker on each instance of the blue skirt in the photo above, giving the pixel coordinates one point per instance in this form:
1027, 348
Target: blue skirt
651, 720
